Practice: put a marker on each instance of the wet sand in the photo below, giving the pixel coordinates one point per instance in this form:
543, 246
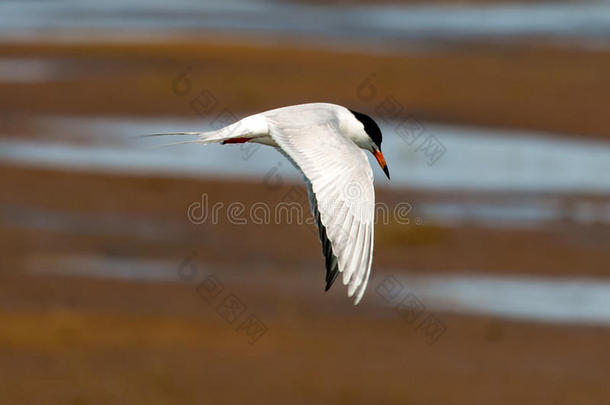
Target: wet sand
42, 213
540, 87
161, 342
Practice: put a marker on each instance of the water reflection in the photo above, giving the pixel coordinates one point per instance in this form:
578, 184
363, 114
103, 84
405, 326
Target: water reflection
588, 21
475, 158
543, 299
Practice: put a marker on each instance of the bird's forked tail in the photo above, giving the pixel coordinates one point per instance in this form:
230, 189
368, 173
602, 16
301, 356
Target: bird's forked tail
238, 132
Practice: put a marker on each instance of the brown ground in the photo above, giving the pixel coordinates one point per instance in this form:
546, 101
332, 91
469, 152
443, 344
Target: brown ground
540, 87
562, 248
76, 340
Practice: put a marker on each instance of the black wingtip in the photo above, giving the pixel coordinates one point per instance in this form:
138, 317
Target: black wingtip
330, 279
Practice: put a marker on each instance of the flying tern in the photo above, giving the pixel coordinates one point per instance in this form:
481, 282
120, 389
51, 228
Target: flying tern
325, 142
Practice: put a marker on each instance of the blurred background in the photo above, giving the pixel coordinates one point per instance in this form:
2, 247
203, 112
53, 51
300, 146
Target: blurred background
126, 275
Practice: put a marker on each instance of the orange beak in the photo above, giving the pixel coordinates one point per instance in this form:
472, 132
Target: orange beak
381, 160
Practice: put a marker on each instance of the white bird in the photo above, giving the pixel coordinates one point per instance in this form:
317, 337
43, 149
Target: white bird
324, 141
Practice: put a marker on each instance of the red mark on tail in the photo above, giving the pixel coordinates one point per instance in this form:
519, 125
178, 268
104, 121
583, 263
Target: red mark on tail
236, 140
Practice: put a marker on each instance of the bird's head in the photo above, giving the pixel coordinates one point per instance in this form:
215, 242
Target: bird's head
372, 141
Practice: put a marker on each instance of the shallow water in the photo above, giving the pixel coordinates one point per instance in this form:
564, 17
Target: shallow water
29, 70
562, 300
542, 299
59, 19
475, 160
471, 158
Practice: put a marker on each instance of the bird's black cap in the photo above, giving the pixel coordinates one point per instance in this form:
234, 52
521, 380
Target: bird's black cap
370, 127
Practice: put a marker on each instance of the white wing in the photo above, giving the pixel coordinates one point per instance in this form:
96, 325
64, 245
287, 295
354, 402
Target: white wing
340, 184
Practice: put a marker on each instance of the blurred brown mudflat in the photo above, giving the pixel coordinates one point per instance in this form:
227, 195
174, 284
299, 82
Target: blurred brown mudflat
146, 216
137, 342
89, 340
541, 87
193, 357
165, 345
